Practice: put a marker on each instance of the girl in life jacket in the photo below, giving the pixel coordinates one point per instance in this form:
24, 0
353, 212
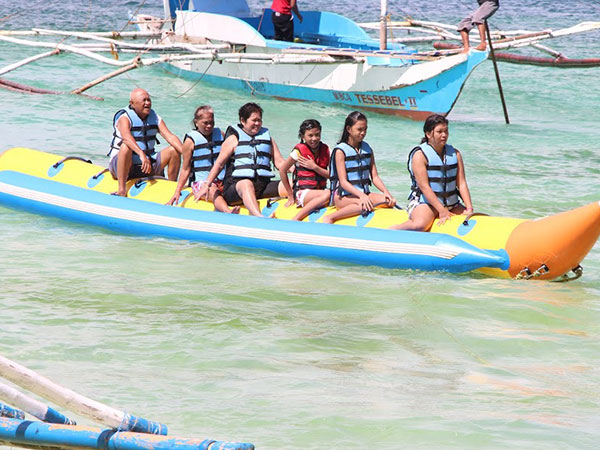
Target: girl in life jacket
311, 160
353, 171
438, 179
247, 153
200, 149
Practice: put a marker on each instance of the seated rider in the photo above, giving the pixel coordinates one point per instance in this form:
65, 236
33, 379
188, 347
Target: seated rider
200, 150
247, 152
353, 170
438, 179
311, 159
132, 150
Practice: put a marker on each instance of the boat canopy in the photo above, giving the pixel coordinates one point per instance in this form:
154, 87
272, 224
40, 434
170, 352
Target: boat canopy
236, 8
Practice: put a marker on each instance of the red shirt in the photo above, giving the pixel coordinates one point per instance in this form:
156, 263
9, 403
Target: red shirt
282, 7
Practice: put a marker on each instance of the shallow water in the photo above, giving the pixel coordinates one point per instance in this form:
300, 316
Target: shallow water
309, 354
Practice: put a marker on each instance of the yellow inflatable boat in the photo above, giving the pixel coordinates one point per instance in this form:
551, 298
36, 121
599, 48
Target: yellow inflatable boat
69, 187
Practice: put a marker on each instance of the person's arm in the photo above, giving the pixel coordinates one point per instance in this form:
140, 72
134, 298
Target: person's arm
170, 137
461, 184
227, 149
312, 165
419, 167
124, 127
283, 173
294, 6
187, 149
276, 154
378, 182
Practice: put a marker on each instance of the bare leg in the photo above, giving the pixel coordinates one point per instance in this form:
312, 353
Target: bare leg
219, 202
464, 34
123, 167
169, 157
481, 28
313, 200
421, 219
245, 189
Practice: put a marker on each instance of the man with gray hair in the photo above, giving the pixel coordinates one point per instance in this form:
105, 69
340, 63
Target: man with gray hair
486, 9
132, 153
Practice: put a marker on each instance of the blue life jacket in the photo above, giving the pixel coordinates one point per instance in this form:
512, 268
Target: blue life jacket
358, 168
144, 132
441, 174
252, 156
205, 154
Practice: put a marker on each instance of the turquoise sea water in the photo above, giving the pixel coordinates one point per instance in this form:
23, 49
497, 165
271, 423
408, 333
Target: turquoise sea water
309, 354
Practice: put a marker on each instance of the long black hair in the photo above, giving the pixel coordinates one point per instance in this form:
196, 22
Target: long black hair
431, 122
308, 124
352, 118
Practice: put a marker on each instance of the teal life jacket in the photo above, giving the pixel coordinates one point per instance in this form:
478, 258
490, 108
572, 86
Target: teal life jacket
205, 154
358, 168
144, 132
252, 156
441, 172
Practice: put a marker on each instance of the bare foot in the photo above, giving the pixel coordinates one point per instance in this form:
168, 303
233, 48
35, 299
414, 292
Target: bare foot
327, 219
465, 50
119, 194
481, 47
235, 210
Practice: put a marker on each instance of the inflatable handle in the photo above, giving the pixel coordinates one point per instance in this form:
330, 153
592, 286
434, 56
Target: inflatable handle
466, 221
68, 158
102, 172
141, 181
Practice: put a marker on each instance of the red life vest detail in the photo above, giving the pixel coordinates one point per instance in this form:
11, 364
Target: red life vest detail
309, 179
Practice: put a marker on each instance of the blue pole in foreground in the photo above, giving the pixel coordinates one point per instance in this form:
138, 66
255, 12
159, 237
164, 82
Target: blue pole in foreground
29, 433
12, 413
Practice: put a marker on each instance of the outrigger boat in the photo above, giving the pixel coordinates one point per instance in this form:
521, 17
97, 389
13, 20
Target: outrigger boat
332, 61
74, 189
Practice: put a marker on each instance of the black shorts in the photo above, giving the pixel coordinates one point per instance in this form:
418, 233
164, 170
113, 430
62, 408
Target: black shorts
263, 186
284, 26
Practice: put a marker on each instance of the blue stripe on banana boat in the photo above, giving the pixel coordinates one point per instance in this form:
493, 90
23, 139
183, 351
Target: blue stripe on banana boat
380, 247
39, 434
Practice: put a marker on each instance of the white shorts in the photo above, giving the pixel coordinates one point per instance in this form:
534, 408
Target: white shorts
301, 196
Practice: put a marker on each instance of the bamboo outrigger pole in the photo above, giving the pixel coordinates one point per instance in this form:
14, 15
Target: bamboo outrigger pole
383, 26
489, 38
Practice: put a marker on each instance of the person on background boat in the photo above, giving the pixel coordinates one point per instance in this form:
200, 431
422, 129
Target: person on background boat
283, 21
132, 150
311, 159
200, 150
247, 153
353, 170
438, 179
486, 9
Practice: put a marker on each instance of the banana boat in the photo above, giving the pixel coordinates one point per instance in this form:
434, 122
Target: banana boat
549, 248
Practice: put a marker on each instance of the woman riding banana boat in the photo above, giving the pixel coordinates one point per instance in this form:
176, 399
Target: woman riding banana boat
235, 172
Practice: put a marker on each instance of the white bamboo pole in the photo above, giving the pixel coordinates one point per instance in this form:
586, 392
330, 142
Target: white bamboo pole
113, 34
196, 48
65, 47
383, 26
66, 398
18, 64
32, 406
108, 76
